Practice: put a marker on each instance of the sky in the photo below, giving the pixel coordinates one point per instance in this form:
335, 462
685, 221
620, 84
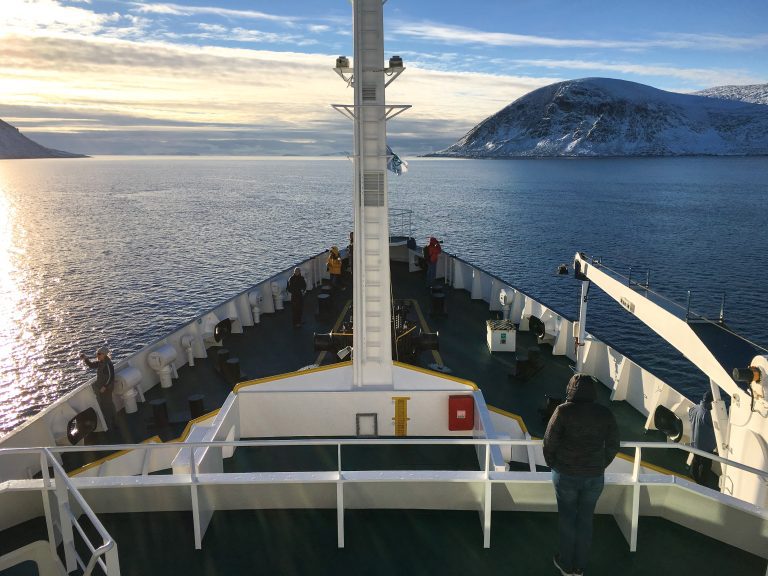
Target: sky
255, 76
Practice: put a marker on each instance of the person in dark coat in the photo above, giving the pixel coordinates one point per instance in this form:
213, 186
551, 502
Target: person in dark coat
350, 251
581, 440
297, 286
105, 382
703, 438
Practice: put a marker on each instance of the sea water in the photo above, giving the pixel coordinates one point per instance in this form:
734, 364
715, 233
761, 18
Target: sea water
120, 251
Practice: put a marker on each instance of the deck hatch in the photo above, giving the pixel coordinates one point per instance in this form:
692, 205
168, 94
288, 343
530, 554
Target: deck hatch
401, 415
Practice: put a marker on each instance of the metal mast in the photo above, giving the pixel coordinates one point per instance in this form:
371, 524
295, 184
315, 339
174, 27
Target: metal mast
372, 301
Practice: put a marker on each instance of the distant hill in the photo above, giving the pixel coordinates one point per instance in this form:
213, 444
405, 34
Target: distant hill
14, 145
754, 93
602, 117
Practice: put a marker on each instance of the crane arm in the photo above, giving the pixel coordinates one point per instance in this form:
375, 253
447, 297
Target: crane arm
673, 329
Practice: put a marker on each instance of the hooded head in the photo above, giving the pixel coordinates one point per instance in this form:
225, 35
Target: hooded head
706, 400
433, 241
297, 271
335, 250
581, 388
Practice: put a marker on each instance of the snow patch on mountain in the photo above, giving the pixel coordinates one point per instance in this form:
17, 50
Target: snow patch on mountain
596, 117
754, 93
14, 145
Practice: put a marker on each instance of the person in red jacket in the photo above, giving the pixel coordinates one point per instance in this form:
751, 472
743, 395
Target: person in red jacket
433, 255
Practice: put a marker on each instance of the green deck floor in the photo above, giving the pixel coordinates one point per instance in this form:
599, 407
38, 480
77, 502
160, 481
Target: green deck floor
398, 542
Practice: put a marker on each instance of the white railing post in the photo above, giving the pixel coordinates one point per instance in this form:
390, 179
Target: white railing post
580, 342
635, 499
45, 493
636, 464
65, 520
529, 448
145, 462
487, 498
113, 561
339, 500
195, 500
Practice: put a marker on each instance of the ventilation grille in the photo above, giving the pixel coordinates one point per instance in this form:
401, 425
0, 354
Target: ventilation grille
373, 188
369, 92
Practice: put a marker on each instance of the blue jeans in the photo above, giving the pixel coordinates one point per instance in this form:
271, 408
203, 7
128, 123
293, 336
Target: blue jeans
576, 500
431, 273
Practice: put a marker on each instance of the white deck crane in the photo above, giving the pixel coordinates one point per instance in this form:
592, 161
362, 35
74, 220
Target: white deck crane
742, 434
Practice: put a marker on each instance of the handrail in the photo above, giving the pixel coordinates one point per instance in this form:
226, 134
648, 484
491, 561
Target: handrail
363, 441
106, 555
108, 543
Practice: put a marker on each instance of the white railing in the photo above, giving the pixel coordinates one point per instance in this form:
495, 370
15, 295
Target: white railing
201, 454
400, 224
59, 494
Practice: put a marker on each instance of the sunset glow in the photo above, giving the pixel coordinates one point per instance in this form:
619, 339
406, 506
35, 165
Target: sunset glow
238, 68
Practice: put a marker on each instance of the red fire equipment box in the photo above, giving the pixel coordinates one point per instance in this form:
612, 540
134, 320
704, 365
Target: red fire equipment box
461, 412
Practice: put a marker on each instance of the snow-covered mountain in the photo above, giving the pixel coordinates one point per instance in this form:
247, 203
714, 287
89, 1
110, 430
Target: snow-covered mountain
605, 117
755, 93
13, 144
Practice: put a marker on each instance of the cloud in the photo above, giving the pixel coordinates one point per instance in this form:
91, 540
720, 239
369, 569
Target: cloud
704, 76
213, 32
200, 88
713, 41
462, 35
48, 16
180, 10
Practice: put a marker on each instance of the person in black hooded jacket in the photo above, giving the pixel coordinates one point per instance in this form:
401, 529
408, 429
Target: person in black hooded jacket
297, 287
581, 440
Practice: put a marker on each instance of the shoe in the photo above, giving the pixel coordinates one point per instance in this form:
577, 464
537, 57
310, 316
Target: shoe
559, 566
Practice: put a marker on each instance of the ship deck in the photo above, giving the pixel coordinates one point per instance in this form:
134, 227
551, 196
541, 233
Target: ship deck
380, 541
275, 346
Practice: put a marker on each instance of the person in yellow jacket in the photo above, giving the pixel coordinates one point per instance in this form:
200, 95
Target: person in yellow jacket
334, 267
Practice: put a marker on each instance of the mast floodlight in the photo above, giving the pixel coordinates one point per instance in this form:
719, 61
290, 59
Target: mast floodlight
394, 69
343, 67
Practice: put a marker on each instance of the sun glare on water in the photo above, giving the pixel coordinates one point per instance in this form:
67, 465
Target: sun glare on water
20, 346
